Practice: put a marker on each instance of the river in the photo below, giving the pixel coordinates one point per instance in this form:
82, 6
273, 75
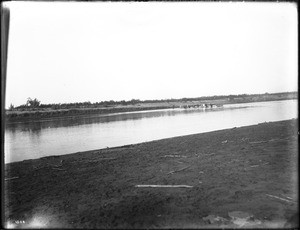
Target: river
31, 140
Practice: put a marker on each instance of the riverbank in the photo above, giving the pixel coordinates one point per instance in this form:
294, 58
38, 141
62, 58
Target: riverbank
252, 169
38, 114
52, 114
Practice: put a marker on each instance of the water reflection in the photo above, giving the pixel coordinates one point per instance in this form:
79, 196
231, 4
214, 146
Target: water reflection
37, 126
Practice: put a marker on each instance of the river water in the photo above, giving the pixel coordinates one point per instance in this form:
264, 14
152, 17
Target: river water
30, 140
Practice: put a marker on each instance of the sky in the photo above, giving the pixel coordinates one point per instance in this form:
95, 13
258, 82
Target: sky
62, 52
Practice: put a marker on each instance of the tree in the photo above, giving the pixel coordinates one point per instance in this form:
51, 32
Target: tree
11, 107
134, 101
33, 102
123, 102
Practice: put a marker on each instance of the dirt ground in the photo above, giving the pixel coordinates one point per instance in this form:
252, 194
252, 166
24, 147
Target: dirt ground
251, 169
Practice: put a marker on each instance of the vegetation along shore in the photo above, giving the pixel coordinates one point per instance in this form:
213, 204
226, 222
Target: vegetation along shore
239, 177
35, 110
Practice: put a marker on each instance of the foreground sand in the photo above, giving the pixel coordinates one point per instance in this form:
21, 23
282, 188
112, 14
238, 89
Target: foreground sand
252, 169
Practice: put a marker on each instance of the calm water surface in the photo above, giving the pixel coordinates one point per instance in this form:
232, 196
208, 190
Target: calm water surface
62, 136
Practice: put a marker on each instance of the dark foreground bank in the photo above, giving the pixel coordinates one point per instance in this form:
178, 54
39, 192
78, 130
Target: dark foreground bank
241, 177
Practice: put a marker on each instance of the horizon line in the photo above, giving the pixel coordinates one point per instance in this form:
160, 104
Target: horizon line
168, 98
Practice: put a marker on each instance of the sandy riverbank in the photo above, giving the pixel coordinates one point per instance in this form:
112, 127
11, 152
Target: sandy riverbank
251, 169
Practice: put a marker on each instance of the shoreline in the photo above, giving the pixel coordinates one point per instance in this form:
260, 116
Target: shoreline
229, 170
12, 117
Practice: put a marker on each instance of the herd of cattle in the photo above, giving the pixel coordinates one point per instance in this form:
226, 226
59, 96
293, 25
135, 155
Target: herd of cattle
204, 106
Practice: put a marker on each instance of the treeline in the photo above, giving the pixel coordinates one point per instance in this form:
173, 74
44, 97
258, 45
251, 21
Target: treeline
35, 104
86, 104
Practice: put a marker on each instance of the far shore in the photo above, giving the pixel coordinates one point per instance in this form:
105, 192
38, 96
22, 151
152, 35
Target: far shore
38, 114
251, 169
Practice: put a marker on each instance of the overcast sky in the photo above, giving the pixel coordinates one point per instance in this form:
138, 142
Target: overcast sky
74, 52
